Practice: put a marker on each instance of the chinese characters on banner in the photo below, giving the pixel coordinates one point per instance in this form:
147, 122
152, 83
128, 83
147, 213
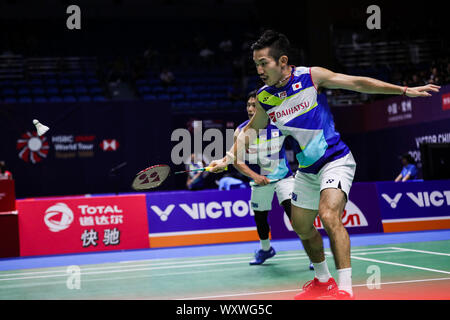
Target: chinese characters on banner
82, 224
110, 237
98, 216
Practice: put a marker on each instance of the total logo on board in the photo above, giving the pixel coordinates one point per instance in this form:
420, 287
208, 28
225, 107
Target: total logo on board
60, 216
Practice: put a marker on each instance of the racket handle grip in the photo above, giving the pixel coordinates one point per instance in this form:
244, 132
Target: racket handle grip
209, 168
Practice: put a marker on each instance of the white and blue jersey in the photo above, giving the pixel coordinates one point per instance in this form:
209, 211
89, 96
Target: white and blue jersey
299, 111
267, 155
411, 170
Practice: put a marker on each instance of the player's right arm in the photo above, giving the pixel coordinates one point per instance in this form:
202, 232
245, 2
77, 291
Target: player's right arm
245, 170
249, 133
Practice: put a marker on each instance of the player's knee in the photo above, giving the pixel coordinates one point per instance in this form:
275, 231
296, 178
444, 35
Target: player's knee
330, 219
304, 231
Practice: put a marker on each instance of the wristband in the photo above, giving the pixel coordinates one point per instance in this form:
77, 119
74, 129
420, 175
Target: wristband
404, 91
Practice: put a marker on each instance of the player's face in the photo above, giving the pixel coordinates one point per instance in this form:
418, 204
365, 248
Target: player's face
251, 107
267, 68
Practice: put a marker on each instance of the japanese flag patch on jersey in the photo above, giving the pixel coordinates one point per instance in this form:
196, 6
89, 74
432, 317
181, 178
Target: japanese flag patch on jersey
296, 86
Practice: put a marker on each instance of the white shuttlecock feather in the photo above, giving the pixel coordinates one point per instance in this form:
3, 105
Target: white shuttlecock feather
41, 129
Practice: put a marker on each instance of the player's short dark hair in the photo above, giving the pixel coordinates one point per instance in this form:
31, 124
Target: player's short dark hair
277, 43
251, 94
408, 158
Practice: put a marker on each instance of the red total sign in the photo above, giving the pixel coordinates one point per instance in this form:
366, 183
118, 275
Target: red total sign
82, 224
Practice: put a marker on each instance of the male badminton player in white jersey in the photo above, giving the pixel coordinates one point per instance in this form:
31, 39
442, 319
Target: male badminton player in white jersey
265, 163
326, 165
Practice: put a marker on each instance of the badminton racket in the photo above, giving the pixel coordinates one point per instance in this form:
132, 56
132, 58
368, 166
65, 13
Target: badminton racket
154, 176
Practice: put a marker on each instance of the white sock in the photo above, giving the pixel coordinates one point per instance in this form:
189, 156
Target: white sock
265, 244
321, 270
345, 280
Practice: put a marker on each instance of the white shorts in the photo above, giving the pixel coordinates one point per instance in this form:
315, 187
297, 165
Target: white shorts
336, 174
261, 199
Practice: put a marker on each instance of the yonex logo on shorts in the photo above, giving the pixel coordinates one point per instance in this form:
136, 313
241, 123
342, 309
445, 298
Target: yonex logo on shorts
294, 196
330, 181
254, 205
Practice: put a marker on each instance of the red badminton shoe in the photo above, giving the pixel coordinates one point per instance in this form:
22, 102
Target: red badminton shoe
338, 295
315, 289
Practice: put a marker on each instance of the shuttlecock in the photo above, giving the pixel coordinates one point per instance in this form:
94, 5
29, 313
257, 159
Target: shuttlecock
41, 129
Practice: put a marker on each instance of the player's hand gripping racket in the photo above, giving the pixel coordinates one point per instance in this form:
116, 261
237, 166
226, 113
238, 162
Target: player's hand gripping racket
254, 184
154, 176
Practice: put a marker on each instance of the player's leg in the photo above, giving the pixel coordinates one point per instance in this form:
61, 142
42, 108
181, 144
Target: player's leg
261, 202
332, 204
284, 188
305, 206
263, 229
323, 284
303, 224
336, 180
286, 204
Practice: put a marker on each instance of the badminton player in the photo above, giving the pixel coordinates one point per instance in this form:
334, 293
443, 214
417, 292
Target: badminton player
274, 166
326, 165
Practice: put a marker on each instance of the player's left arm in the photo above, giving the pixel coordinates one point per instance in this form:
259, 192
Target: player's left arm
328, 79
406, 177
247, 134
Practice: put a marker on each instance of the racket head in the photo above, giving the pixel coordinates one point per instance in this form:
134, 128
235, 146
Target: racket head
151, 177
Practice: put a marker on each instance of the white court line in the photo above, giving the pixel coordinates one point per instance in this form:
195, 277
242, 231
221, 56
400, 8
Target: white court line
202, 271
298, 289
423, 251
139, 269
116, 278
135, 277
63, 273
399, 264
377, 252
185, 263
130, 277
250, 253
129, 267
